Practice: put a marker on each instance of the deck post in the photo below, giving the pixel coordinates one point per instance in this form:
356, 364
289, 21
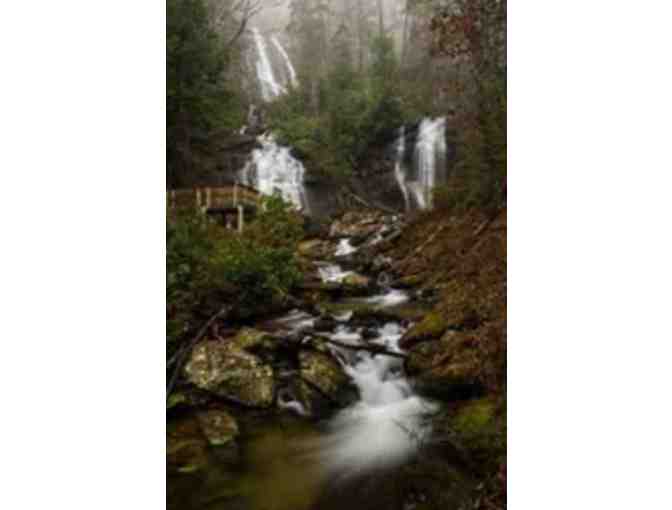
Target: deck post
241, 219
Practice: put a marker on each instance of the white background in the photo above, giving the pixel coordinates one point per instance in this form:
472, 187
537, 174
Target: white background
82, 255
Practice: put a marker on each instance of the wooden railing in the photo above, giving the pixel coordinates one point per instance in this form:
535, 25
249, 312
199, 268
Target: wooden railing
220, 198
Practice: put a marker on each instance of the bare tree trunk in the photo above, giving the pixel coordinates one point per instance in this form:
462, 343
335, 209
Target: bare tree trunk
360, 35
381, 18
403, 37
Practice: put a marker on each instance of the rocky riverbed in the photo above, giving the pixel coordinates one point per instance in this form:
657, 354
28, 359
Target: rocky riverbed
360, 396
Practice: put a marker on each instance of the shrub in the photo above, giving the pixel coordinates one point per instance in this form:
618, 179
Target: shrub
208, 266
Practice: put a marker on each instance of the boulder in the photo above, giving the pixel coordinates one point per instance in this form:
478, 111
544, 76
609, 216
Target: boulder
431, 327
186, 455
325, 323
356, 284
324, 374
316, 249
228, 371
219, 427
446, 368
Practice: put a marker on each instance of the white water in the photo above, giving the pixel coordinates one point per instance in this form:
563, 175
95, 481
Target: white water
392, 297
430, 149
288, 62
270, 88
398, 167
273, 169
344, 248
384, 427
417, 184
333, 273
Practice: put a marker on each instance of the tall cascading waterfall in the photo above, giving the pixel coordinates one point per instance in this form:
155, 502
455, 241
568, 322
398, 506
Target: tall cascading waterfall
270, 87
288, 62
430, 152
272, 168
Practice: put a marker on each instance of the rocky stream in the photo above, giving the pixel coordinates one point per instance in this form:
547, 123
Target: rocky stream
313, 408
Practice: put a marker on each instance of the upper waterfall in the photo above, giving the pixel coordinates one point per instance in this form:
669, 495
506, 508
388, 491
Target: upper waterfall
288, 62
272, 168
274, 81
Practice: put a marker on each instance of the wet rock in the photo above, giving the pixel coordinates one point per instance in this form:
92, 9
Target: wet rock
326, 375
325, 324
186, 447
316, 249
369, 334
446, 368
186, 455
356, 284
225, 370
219, 427
431, 327
409, 282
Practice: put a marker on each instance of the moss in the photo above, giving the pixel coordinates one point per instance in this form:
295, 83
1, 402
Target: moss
323, 372
176, 399
432, 326
482, 432
474, 417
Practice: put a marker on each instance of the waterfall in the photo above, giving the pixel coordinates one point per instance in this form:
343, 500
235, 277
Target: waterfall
270, 88
417, 183
273, 169
287, 61
430, 150
399, 169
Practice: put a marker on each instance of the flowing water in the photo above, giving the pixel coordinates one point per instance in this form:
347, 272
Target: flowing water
399, 167
345, 248
288, 62
270, 87
289, 462
269, 60
272, 169
418, 182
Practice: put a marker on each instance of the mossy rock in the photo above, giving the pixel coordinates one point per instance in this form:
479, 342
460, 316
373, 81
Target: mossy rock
445, 369
481, 431
473, 418
431, 327
356, 285
356, 281
225, 370
409, 282
250, 339
316, 249
325, 374
186, 455
175, 400
219, 427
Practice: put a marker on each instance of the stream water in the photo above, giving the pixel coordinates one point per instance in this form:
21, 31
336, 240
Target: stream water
289, 462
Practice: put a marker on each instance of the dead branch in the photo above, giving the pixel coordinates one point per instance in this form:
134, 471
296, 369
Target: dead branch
372, 348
